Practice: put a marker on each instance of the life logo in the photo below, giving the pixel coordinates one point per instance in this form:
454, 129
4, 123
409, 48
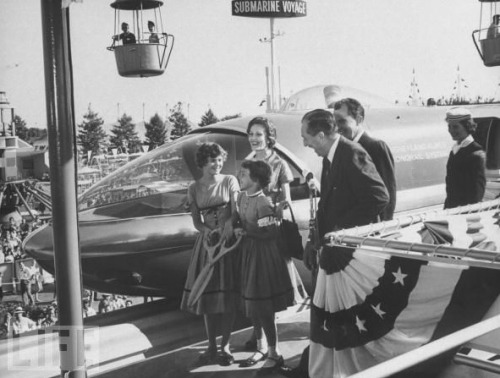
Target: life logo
53, 349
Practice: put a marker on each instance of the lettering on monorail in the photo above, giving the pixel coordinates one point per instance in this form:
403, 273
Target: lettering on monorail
269, 8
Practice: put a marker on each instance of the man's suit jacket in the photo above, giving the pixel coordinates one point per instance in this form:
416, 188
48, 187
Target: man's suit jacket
353, 194
384, 162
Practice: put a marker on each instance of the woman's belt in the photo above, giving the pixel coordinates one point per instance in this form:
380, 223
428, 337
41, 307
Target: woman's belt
213, 209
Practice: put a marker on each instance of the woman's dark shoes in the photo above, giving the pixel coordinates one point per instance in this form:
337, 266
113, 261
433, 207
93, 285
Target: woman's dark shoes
208, 357
272, 364
256, 357
225, 358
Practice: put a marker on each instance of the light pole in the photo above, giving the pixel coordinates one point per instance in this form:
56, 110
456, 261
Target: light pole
271, 105
6, 107
271, 10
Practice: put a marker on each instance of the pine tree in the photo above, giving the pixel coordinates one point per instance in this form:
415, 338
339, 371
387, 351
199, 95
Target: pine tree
208, 118
91, 135
124, 135
36, 133
180, 125
20, 127
155, 132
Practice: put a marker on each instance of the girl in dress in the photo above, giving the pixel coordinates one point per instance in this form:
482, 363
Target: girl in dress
212, 200
265, 283
262, 139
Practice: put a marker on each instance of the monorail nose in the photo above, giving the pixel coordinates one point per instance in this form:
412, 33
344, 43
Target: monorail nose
39, 244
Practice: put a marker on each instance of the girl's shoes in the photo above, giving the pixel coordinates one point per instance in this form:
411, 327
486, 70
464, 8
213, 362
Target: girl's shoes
256, 357
271, 365
225, 358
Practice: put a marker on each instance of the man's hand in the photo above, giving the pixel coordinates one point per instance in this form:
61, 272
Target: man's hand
310, 256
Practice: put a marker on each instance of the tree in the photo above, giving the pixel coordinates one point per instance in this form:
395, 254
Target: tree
155, 132
180, 125
225, 118
20, 127
91, 135
124, 135
35, 133
208, 118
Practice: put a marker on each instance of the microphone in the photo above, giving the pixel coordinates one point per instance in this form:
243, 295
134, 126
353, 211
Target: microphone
310, 181
309, 177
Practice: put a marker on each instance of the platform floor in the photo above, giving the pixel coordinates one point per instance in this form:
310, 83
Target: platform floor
293, 329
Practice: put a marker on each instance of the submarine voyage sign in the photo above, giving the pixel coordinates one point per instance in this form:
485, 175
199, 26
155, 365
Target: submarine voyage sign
269, 8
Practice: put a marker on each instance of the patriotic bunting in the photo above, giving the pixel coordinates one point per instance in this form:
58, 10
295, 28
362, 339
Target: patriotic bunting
371, 305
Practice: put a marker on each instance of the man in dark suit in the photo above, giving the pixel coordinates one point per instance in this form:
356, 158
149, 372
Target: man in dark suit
352, 193
349, 116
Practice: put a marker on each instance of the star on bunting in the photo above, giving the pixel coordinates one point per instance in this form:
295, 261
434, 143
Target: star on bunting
399, 277
378, 310
361, 325
324, 327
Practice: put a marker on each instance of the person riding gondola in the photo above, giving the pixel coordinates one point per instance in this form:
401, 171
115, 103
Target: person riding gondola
153, 36
493, 30
126, 37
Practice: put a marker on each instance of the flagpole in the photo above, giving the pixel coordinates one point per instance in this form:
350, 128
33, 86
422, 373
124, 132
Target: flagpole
430, 350
407, 220
359, 237
421, 251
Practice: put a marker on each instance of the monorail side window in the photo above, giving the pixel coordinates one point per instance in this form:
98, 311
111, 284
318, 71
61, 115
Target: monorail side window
488, 136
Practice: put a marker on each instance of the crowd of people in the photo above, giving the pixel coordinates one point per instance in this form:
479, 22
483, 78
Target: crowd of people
21, 319
358, 187
12, 236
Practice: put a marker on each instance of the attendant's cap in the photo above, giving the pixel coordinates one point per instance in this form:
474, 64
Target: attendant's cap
18, 310
151, 23
458, 114
124, 24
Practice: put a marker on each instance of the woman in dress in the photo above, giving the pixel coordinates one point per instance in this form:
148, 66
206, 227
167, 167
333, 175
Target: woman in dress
212, 200
262, 138
265, 283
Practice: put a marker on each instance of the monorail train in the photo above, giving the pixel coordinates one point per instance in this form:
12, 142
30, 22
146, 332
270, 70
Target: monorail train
136, 232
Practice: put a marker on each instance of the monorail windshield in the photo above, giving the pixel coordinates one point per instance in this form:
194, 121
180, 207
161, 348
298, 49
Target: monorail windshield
157, 182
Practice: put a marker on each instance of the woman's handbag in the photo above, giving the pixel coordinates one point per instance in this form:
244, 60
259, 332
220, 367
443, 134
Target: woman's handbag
289, 239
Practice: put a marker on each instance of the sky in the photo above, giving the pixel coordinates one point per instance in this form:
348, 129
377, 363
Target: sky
219, 62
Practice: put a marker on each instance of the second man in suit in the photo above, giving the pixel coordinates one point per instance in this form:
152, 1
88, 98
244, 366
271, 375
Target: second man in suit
349, 116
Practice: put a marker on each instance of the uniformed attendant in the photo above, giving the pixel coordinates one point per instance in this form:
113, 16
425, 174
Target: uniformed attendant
465, 170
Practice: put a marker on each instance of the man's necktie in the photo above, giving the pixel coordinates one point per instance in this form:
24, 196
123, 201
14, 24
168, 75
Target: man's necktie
325, 172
